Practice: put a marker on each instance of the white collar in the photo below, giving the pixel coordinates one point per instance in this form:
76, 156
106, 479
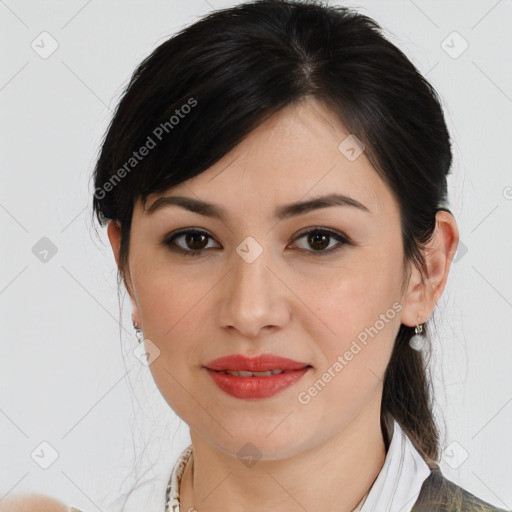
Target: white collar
399, 482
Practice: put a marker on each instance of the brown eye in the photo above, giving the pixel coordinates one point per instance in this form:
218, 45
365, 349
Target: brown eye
192, 242
195, 241
319, 239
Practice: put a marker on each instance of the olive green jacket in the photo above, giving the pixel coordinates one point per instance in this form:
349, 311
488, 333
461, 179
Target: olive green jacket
438, 494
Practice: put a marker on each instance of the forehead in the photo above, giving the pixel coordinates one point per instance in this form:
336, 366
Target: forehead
302, 151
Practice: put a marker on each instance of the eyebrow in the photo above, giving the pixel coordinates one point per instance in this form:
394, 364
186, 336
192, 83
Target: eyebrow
282, 212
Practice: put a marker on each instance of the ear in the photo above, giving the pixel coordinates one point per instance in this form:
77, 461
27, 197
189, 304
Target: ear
422, 295
114, 235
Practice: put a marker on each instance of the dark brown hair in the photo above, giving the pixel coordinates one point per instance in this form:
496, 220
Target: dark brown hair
206, 88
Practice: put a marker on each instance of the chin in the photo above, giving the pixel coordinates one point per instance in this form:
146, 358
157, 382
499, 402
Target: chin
258, 444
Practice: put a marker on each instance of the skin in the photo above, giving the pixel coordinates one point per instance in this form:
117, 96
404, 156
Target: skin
291, 301
32, 503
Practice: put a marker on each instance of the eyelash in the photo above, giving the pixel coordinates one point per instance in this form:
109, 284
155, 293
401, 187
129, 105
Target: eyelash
168, 241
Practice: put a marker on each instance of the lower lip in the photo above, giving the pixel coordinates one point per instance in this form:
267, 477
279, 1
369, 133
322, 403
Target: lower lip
256, 387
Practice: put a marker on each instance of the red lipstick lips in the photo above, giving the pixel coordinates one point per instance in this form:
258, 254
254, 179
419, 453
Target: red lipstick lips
257, 377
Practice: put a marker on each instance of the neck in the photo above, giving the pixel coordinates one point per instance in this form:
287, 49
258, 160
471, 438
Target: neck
333, 476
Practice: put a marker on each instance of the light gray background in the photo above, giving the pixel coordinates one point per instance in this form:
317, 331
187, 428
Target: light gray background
70, 379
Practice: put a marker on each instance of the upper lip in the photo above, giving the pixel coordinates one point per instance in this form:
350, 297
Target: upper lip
262, 363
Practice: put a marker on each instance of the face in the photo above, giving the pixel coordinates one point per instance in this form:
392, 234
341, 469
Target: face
320, 286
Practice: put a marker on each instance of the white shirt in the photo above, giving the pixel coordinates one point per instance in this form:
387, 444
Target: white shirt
396, 488
399, 481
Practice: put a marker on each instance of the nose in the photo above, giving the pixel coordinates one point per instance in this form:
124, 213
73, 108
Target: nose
253, 295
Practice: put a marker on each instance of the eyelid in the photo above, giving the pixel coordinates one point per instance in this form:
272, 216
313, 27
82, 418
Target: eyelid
340, 237
169, 238
332, 232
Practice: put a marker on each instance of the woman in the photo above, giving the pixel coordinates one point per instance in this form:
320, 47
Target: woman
274, 184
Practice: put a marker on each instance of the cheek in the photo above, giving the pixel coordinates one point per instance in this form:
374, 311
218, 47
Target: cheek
171, 309
170, 313
349, 298
356, 313
168, 300
354, 352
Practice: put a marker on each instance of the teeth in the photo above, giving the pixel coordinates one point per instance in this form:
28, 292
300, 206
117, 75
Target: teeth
243, 373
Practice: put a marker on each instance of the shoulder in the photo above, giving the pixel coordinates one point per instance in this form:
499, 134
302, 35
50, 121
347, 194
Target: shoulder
438, 494
32, 503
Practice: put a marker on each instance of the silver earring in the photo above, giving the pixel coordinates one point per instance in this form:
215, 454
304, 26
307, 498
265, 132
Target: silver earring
418, 340
138, 332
